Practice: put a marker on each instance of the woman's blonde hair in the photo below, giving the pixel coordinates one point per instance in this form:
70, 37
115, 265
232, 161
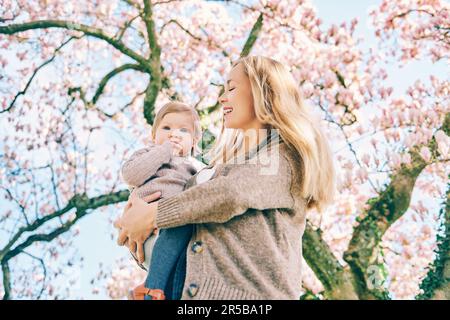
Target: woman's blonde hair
179, 107
278, 105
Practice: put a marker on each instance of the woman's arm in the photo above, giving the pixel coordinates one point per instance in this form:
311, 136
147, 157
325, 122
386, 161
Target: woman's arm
145, 162
225, 197
137, 223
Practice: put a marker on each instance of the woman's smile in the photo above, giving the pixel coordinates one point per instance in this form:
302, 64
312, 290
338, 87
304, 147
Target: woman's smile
227, 110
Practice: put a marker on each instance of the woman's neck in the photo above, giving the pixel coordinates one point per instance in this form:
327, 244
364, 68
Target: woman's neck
253, 137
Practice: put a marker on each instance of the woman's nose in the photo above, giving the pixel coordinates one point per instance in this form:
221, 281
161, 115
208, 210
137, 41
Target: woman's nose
222, 99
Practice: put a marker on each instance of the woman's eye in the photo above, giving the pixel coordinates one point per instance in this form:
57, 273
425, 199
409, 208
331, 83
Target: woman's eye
184, 130
166, 128
231, 89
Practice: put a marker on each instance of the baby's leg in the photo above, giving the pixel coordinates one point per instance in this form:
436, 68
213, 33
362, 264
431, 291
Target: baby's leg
149, 244
171, 243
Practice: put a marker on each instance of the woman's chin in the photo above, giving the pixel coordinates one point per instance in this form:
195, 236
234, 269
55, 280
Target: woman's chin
229, 124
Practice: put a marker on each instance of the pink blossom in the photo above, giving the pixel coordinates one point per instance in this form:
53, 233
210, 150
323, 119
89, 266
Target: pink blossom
425, 153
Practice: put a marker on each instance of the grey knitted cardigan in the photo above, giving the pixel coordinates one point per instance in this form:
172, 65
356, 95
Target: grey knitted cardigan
248, 219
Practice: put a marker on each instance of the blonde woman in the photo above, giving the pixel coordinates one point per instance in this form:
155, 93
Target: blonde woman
270, 164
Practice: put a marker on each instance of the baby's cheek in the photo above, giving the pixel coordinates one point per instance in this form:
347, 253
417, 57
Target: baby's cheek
188, 142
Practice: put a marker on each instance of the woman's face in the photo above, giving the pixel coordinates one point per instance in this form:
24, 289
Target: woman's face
238, 99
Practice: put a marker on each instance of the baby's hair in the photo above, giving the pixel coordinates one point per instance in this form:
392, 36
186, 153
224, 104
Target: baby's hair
179, 107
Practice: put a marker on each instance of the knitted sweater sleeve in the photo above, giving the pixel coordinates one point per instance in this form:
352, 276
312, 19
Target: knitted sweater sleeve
224, 197
145, 162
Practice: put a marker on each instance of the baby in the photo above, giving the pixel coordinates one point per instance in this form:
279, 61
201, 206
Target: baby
165, 165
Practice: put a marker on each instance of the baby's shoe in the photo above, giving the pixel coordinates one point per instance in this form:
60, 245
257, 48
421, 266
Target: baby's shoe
141, 291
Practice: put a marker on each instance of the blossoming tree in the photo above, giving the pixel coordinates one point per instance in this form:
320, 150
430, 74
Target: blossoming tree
75, 74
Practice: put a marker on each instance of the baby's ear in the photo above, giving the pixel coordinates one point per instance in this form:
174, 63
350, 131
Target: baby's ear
195, 142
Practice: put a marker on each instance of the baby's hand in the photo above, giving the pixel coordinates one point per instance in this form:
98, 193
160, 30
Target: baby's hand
177, 149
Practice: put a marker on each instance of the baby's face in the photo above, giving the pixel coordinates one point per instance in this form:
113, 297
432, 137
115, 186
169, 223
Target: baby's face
178, 128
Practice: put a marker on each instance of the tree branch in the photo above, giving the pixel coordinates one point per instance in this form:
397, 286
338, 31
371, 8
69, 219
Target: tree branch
249, 43
155, 84
193, 36
44, 269
152, 67
111, 74
442, 291
76, 202
87, 30
355, 282
253, 36
24, 90
83, 206
384, 210
436, 284
122, 30
6, 281
337, 281
133, 4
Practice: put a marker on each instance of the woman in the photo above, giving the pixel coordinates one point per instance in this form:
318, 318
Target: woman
248, 219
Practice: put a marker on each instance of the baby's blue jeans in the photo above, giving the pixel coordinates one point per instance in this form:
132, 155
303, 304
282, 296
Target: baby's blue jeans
168, 264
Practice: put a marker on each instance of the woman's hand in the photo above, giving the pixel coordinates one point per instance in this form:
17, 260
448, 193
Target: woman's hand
137, 223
